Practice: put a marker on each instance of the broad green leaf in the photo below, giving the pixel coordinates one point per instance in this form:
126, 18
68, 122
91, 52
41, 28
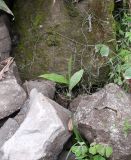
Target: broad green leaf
55, 78
102, 49
109, 151
75, 79
92, 150
5, 8
100, 149
98, 157
127, 74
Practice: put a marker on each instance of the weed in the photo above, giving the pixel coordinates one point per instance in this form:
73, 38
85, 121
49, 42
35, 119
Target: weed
120, 63
127, 127
94, 151
71, 80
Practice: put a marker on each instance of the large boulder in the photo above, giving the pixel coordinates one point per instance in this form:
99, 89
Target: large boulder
5, 40
55, 31
12, 95
42, 134
7, 130
101, 117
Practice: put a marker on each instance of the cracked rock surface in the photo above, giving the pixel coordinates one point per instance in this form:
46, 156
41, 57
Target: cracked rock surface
101, 116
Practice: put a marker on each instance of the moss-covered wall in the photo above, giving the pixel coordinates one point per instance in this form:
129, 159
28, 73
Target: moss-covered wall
50, 34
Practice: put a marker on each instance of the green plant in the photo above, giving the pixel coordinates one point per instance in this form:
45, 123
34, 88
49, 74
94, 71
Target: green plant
120, 60
70, 80
5, 8
127, 127
102, 49
94, 151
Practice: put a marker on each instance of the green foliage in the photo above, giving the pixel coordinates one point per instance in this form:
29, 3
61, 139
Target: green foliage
55, 78
5, 8
127, 127
94, 151
120, 63
75, 79
71, 81
102, 49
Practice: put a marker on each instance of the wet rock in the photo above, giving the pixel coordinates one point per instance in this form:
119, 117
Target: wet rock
7, 130
55, 31
101, 117
47, 88
42, 134
5, 40
12, 95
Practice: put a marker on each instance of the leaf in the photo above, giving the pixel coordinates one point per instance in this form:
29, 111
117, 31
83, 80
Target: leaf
69, 67
98, 157
100, 149
55, 78
128, 35
77, 134
5, 8
109, 151
92, 150
75, 79
102, 49
127, 74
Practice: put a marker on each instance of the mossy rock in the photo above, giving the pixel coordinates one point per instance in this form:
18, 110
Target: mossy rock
51, 33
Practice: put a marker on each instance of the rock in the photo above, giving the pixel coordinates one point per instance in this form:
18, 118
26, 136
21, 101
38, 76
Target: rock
7, 130
59, 30
42, 134
22, 113
66, 154
5, 40
101, 117
12, 95
75, 103
47, 88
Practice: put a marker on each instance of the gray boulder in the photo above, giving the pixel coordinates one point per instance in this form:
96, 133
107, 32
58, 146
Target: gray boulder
5, 40
7, 130
12, 95
47, 88
101, 117
42, 134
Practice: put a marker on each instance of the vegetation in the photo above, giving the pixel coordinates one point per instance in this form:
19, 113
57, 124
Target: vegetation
94, 151
70, 80
5, 8
127, 127
120, 62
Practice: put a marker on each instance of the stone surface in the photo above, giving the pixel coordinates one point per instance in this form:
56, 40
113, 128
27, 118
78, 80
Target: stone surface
7, 130
75, 103
47, 88
42, 133
101, 117
12, 95
5, 40
65, 154
55, 31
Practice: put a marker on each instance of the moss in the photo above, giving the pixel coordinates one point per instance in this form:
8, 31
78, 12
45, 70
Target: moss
38, 20
53, 39
71, 9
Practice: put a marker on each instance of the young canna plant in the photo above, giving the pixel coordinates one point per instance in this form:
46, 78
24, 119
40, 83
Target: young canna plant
71, 80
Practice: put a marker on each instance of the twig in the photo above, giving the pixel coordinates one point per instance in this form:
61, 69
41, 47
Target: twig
7, 62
